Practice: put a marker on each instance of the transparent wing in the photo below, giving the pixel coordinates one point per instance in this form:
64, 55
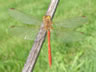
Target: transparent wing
73, 22
27, 33
23, 17
67, 36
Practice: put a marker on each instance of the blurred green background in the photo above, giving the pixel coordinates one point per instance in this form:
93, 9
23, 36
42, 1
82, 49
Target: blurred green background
72, 57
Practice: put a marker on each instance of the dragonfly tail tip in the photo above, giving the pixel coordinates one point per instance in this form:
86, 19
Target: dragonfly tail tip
84, 16
12, 8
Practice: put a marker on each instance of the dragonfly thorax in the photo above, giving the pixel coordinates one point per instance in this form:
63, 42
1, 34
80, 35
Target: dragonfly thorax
47, 22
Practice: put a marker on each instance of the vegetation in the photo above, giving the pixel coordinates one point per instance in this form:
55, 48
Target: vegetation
70, 57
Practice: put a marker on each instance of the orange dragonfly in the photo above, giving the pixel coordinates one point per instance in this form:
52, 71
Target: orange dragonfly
65, 28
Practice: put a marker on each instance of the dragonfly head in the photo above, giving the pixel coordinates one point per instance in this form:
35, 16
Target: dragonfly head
46, 17
47, 22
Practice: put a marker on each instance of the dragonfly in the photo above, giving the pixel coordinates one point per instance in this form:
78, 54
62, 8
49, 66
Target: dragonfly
63, 30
